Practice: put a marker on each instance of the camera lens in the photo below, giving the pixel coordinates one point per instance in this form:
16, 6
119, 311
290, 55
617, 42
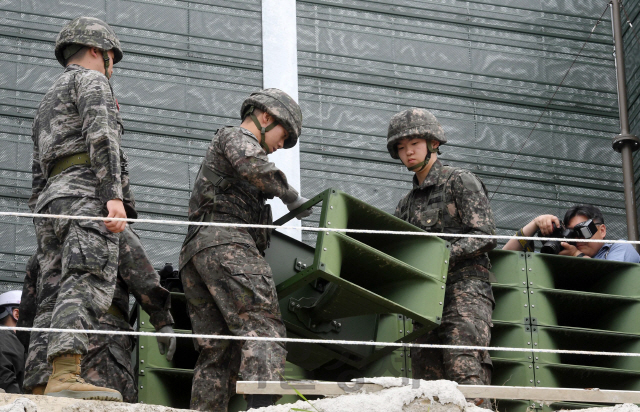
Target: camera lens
552, 247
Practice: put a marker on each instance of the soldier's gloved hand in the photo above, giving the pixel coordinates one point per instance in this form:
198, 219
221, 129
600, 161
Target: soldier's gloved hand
167, 343
297, 203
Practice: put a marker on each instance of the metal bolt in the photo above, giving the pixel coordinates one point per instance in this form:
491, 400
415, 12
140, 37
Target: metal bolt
532, 292
535, 344
446, 261
409, 370
141, 370
525, 305
443, 277
531, 380
441, 303
530, 366
533, 306
142, 323
141, 360
304, 266
400, 330
530, 357
529, 343
523, 269
402, 369
328, 233
328, 223
538, 381
536, 358
141, 387
313, 326
537, 367
533, 405
524, 291
324, 248
330, 207
524, 283
529, 269
141, 347
442, 287
531, 283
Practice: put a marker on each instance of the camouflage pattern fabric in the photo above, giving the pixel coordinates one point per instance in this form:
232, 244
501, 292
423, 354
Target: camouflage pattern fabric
465, 205
88, 31
77, 114
108, 361
227, 282
236, 155
466, 320
460, 206
413, 123
230, 290
282, 107
79, 262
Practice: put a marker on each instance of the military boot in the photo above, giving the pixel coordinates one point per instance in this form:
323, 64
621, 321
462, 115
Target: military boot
65, 381
259, 401
38, 390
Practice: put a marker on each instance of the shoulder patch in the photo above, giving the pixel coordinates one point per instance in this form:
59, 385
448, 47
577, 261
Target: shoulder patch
471, 182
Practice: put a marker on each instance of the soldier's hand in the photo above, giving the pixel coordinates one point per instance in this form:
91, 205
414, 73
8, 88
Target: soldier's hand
116, 209
167, 344
296, 204
545, 223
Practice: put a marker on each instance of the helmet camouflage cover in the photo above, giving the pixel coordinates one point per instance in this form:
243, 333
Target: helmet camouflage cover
413, 123
87, 31
282, 107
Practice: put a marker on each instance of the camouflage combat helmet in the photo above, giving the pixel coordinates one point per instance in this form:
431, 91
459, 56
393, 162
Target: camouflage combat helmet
412, 123
279, 105
87, 31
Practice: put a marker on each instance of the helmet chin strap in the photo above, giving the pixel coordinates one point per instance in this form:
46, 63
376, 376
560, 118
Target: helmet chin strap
263, 130
105, 57
420, 166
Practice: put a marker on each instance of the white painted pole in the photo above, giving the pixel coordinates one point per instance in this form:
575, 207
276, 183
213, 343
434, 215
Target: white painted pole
280, 69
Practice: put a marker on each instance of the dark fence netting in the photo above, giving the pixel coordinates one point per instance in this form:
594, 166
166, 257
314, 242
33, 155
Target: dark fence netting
487, 70
187, 68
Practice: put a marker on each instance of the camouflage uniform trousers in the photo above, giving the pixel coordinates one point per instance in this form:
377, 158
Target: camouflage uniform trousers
108, 361
230, 291
466, 320
78, 261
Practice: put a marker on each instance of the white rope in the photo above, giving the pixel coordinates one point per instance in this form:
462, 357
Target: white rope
321, 341
311, 229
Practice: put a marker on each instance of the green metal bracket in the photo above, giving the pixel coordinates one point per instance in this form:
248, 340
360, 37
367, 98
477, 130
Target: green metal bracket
342, 288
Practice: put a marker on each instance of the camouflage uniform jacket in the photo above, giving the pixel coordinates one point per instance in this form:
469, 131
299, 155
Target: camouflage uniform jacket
77, 114
236, 155
452, 200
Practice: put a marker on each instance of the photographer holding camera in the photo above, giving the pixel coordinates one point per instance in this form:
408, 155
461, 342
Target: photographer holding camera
580, 222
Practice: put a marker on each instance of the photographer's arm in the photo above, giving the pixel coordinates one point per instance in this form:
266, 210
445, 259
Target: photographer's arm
543, 222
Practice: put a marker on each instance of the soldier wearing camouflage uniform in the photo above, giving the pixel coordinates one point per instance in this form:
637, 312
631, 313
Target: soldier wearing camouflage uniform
450, 200
77, 171
227, 282
108, 361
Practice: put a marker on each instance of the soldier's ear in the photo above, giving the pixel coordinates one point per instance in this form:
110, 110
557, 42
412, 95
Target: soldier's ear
435, 144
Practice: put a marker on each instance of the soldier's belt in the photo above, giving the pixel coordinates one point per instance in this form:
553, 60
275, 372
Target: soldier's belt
113, 310
78, 159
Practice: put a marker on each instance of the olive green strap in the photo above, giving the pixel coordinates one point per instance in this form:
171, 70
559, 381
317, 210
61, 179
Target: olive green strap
78, 159
105, 57
262, 129
216, 179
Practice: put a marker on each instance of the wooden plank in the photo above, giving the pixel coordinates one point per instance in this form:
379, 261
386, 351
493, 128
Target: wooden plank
469, 391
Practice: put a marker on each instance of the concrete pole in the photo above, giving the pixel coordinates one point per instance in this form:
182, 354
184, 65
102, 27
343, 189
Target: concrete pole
280, 69
625, 142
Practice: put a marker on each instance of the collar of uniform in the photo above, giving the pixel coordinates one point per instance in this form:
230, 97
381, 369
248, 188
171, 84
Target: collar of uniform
432, 177
253, 136
74, 67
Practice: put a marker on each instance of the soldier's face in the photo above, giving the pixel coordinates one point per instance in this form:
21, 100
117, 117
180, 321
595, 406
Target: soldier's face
412, 151
275, 138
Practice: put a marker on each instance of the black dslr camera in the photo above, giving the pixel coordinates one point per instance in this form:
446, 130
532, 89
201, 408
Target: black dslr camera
583, 230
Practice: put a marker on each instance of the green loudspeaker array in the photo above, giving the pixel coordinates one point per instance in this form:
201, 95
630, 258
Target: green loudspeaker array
585, 304
342, 288
511, 320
